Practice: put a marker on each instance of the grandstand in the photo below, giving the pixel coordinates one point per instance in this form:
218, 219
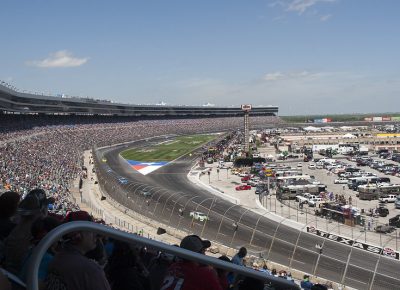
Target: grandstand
13, 101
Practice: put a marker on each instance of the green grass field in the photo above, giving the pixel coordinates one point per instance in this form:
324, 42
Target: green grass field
169, 150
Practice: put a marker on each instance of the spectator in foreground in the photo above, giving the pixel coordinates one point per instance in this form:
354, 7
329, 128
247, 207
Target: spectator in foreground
124, 270
70, 269
238, 259
39, 230
191, 275
17, 244
8, 207
223, 274
4, 283
306, 284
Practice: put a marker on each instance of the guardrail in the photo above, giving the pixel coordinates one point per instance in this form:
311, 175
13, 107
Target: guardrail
57, 233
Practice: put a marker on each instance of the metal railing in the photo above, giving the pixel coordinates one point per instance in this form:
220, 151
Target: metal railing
57, 233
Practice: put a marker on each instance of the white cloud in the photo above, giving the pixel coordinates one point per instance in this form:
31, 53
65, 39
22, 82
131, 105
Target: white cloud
273, 76
62, 58
325, 17
277, 76
300, 6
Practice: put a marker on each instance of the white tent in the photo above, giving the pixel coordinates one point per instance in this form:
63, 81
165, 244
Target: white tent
311, 129
349, 136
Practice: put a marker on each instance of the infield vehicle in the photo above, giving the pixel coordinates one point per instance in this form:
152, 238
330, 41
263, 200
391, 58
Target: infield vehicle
199, 216
388, 198
384, 229
397, 202
243, 187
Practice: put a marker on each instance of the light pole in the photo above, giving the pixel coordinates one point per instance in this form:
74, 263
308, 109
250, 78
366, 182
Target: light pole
218, 173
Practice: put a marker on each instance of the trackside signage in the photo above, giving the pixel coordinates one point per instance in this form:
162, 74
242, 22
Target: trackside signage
387, 252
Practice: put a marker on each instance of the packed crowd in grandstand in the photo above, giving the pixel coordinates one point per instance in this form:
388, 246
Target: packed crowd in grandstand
37, 167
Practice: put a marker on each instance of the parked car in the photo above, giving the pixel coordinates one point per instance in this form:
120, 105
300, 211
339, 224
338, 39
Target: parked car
384, 229
388, 198
123, 180
341, 180
312, 166
245, 178
395, 221
312, 202
196, 215
243, 187
146, 193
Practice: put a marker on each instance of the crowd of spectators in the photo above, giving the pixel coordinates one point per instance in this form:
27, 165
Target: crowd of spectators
50, 157
84, 260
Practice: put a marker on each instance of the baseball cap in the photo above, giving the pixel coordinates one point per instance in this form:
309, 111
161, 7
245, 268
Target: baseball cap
30, 205
194, 243
41, 195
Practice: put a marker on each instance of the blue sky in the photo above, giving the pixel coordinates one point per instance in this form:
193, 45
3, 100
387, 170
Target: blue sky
305, 56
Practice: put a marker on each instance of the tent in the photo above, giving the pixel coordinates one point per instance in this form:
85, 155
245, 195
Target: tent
349, 136
311, 129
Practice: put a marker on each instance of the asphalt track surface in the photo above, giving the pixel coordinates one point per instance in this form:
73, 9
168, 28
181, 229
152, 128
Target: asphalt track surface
171, 190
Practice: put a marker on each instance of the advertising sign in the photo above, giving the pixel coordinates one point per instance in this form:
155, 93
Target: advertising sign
319, 121
368, 119
246, 108
386, 118
387, 252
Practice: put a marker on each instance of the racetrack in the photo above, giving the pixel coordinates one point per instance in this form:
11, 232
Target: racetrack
171, 190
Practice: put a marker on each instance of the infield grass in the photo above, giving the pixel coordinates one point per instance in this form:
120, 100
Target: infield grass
169, 150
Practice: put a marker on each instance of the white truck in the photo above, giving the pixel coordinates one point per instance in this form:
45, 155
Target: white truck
388, 198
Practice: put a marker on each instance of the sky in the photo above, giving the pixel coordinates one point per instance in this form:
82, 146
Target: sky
304, 56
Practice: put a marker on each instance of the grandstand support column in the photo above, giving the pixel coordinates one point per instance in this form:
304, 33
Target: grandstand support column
246, 109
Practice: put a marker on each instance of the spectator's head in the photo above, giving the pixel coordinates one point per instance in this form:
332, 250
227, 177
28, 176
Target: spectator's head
29, 207
195, 243
221, 271
242, 252
8, 204
84, 241
35, 203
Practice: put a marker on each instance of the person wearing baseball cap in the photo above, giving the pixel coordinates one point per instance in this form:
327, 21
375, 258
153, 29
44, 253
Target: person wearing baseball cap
17, 244
195, 244
191, 275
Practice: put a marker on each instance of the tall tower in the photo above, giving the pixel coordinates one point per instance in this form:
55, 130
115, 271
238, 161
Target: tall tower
246, 109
